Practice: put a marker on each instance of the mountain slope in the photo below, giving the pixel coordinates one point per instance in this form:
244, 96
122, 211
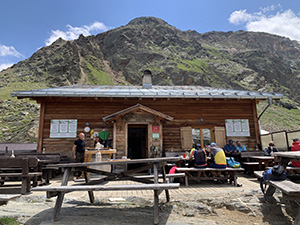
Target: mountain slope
239, 60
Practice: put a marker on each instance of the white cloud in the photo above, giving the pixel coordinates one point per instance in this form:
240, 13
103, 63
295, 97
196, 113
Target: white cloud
5, 66
283, 23
73, 32
238, 17
9, 51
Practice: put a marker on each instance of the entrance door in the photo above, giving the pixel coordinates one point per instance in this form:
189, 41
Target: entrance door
137, 141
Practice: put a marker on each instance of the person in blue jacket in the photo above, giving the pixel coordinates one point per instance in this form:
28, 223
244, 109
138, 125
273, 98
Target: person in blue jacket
240, 147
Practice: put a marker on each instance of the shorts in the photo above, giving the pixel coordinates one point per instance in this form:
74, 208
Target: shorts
214, 165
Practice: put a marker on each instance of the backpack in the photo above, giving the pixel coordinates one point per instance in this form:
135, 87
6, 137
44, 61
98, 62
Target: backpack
276, 173
233, 164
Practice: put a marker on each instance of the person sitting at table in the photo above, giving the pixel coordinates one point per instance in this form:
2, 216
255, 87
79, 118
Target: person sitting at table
270, 149
240, 147
191, 157
219, 158
295, 147
230, 148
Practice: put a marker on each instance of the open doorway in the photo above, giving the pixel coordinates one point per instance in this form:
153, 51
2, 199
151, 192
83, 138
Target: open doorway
137, 143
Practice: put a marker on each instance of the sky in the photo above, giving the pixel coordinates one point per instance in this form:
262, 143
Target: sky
26, 26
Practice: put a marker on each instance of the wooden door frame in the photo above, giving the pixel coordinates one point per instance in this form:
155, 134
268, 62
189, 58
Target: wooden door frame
148, 141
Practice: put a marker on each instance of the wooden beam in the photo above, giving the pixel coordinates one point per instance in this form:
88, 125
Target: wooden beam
256, 125
41, 127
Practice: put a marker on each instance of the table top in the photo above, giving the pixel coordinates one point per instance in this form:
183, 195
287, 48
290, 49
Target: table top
290, 155
118, 161
261, 157
103, 151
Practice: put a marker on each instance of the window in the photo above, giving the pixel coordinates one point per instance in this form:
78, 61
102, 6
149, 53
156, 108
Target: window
202, 136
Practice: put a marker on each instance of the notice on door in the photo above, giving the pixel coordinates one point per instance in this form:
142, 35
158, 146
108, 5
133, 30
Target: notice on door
63, 128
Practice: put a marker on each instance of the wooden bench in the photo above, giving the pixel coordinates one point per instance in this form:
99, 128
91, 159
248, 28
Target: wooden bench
25, 175
230, 174
4, 198
287, 187
290, 192
250, 166
169, 176
44, 159
157, 188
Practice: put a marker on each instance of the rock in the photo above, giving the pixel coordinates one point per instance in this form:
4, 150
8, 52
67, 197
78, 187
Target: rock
24, 113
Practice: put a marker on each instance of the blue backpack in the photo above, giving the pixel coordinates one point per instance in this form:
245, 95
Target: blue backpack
233, 164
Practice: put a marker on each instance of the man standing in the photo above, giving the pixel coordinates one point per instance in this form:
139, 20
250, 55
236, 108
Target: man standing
78, 151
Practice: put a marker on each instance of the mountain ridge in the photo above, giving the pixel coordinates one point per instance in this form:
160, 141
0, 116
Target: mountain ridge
239, 60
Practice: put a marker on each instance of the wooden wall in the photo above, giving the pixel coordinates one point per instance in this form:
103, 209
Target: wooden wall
186, 112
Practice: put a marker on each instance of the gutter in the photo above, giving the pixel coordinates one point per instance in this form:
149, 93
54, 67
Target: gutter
269, 104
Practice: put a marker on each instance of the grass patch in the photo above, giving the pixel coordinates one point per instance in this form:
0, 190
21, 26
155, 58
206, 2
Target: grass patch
196, 65
5, 92
8, 221
98, 77
278, 118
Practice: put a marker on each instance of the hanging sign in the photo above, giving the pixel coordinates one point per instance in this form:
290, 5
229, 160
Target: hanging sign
63, 128
237, 128
155, 129
155, 136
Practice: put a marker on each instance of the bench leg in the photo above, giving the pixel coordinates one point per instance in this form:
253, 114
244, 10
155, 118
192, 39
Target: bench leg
234, 175
61, 195
58, 204
25, 185
270, 190
165, 181
91, 193
186, 179
156, 212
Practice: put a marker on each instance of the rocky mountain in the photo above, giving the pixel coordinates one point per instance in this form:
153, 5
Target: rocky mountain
238, 60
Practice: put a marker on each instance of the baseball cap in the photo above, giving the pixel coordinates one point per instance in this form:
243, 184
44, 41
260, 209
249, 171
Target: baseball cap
295, 139
213, 144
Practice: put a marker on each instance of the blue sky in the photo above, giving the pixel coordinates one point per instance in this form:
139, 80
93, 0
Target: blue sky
26, 26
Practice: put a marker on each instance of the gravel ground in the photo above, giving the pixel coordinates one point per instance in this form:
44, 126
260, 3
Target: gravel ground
245, 206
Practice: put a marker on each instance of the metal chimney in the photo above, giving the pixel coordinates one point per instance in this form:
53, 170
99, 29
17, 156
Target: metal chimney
147, 79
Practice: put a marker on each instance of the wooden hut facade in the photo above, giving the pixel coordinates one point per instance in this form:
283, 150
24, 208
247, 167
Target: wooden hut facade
143, 121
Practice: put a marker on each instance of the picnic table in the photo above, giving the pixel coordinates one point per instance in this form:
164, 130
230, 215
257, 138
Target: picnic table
90, 186
262, 160
290, 190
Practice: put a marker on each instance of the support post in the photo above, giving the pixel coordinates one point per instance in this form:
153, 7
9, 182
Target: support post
61, 195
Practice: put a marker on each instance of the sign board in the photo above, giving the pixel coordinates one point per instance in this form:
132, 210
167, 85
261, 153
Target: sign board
155, 129
63, 128
155, 136
237, 128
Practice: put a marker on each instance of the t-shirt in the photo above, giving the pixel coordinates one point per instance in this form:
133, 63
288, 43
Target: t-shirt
80, 145
218, 155
241, 148
229, 148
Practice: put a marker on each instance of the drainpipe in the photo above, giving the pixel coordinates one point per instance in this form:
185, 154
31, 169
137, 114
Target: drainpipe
269, 104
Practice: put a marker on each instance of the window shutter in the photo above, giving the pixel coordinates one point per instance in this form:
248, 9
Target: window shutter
186, 138
220, 137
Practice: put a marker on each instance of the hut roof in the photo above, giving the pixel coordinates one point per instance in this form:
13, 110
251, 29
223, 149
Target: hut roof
140, 92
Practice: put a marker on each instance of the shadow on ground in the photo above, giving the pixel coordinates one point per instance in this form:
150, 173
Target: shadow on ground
274, 213
78, 213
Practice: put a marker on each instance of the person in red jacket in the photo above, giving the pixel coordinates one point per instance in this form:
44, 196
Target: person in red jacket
295, 147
